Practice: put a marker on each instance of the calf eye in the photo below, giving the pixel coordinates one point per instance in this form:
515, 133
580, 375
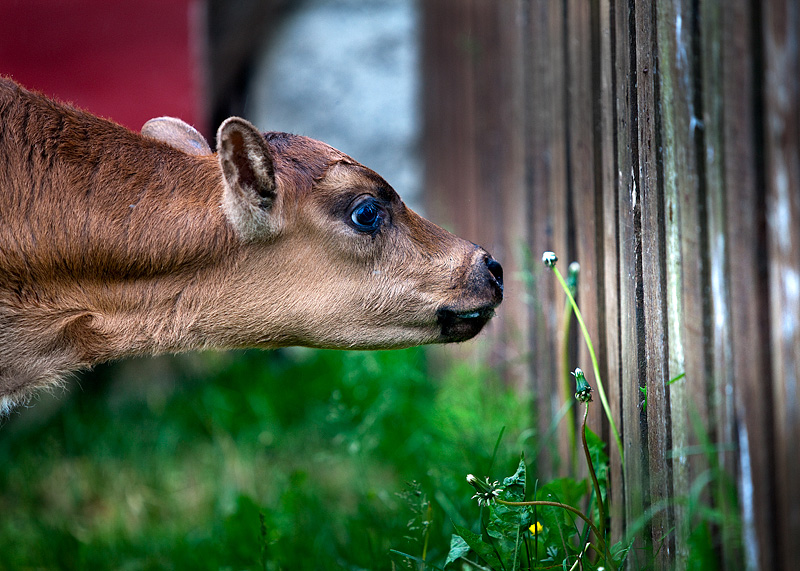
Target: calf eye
367, 216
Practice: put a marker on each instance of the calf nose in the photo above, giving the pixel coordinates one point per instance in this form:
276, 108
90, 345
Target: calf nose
496, 270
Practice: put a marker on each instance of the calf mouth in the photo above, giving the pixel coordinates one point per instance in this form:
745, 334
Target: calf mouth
460, 325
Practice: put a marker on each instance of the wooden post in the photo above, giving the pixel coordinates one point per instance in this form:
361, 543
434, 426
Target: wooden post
631, 286
781, 34
546, 177
606, 172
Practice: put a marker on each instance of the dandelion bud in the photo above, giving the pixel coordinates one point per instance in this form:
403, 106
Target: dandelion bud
549, 259
573, 271
583, 392
486, 491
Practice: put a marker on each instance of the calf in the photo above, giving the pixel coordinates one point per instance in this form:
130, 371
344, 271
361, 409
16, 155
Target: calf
115, 243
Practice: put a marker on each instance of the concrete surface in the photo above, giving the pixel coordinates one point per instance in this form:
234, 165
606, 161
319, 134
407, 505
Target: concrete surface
346, 72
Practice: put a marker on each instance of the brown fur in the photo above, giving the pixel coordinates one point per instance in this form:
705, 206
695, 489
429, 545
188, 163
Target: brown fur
113, 243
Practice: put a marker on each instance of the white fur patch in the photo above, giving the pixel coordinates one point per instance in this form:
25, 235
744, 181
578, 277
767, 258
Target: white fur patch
6, 406
246, 216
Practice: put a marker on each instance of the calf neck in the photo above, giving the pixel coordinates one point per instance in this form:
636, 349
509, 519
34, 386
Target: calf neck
115, 243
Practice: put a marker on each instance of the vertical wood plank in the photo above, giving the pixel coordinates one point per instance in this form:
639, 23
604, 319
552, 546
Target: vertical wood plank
679, 175
720, 384
653, 278
633, 428
538, 135
782, 138
606, 172
711, 151
546, 176
452, 194
745, 213
449, 115
474, 137
498, 141
582, 48
516, 209
561, 240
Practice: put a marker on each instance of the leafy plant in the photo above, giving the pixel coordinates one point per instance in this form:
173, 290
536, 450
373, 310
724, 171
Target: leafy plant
550, 530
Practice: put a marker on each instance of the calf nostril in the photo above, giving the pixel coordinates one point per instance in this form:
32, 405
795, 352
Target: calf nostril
496, 270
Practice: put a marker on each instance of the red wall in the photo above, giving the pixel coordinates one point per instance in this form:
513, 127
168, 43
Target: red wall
127, 61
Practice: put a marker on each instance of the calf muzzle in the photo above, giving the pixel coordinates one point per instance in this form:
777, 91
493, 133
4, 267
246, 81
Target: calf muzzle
486, 284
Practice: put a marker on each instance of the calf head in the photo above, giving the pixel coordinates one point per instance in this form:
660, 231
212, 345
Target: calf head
117, 244
331, 257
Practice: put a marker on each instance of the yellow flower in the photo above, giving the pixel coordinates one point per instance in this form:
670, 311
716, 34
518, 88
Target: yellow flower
536, 528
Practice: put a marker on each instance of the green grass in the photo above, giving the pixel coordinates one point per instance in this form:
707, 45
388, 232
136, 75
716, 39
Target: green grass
294, 459
301, 459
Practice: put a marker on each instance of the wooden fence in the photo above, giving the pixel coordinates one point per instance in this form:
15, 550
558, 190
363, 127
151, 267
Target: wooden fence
658, 143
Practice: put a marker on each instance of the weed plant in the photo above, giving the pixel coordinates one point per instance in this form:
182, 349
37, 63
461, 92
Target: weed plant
548, 531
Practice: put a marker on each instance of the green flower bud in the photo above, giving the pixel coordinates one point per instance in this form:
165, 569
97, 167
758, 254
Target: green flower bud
573, 271
583, 392
486, 491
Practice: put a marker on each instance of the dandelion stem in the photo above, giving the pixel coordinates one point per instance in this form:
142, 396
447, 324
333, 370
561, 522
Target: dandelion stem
601, 391
566, 385
595, 483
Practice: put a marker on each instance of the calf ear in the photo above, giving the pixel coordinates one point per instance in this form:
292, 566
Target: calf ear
250, 200
178, 134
